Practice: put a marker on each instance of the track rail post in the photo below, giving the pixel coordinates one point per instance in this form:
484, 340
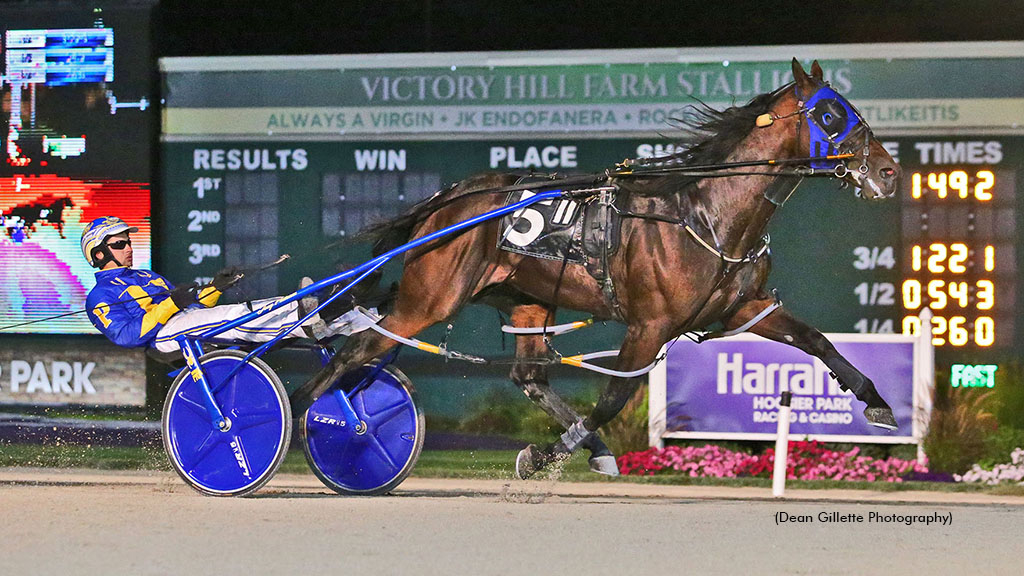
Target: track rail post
782, 446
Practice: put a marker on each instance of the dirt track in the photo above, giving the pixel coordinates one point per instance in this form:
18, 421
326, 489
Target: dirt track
67, 523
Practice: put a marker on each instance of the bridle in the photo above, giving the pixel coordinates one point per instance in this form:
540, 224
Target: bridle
836, 132
834, 127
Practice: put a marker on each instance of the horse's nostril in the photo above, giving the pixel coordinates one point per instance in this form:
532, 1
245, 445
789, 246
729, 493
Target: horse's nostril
887, 172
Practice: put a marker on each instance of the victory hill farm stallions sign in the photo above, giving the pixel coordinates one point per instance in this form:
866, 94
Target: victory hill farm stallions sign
579, 92
729, 389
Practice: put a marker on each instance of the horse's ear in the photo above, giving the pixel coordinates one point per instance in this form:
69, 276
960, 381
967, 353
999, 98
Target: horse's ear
805, 83
816, 71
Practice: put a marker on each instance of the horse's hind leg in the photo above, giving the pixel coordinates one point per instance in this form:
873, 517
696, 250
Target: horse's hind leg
532, 379
639, 349
781, 326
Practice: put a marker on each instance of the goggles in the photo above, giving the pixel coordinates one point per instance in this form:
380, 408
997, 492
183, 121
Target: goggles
120, 244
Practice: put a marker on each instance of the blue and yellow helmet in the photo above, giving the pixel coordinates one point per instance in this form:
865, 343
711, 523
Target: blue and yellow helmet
99, 230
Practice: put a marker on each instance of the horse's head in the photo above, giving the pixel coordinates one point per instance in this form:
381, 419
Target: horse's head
834, 126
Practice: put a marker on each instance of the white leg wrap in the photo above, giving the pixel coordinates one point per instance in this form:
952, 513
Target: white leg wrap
574, 436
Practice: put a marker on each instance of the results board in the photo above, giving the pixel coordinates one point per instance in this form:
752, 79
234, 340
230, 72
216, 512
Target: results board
296, 164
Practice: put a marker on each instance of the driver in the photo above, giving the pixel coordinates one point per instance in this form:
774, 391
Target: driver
135, 308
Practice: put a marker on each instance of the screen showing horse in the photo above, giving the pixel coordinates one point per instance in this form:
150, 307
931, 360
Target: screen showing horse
78, 137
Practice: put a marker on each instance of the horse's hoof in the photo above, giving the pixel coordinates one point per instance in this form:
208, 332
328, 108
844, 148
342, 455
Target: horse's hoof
881, 417
528, 462
533, 459
604, 465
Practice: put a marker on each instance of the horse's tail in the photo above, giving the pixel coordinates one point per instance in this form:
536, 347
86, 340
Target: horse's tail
388, 235
385, 236
391, 234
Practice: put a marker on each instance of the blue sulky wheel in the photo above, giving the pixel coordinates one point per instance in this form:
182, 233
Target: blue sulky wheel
242, 458
371, 456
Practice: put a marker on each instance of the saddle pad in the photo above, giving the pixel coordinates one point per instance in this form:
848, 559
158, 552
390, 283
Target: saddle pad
550, 229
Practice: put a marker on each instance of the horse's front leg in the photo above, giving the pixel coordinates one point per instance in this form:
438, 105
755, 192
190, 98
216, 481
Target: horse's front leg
781, 326
639, 349
532, 379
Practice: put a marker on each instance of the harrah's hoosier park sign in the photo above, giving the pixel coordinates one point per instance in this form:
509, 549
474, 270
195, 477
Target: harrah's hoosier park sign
729, 389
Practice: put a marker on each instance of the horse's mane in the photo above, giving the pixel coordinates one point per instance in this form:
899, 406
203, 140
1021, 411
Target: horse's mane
707, 136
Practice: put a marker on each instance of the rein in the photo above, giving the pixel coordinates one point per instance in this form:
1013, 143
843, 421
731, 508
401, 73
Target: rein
640, 167
634, 167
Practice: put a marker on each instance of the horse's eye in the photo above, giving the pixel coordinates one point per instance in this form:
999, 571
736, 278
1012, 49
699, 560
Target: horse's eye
827, 118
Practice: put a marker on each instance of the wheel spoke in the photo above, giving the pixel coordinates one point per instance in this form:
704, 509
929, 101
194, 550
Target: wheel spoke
382, 452
387, 414
202, 451
219, 385
358, 405
339, 460
233, 380
247, 420
230, 393
195, 407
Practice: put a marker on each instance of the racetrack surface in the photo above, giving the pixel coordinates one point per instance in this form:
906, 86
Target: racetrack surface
82, 522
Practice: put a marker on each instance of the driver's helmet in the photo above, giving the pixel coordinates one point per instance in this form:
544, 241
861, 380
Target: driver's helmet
99, 230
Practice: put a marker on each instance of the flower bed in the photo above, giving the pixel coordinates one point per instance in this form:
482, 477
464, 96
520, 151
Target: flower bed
807, 461
1012, 472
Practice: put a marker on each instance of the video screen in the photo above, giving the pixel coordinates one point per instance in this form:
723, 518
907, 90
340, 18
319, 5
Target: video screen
79, 130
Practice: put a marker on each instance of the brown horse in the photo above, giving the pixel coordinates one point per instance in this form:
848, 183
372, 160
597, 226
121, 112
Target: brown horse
689, 257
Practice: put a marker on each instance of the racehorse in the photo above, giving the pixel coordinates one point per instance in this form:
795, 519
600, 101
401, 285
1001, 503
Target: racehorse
40, 211
691, 255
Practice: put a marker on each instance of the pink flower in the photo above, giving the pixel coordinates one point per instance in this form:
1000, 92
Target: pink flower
806, 460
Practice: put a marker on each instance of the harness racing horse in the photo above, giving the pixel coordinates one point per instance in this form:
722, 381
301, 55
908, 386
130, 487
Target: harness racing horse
40, 211
691, 255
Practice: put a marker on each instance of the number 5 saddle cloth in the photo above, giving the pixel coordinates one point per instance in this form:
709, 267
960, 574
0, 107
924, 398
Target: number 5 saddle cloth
564, 229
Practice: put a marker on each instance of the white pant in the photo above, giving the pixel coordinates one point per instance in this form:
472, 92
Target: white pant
194, 321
